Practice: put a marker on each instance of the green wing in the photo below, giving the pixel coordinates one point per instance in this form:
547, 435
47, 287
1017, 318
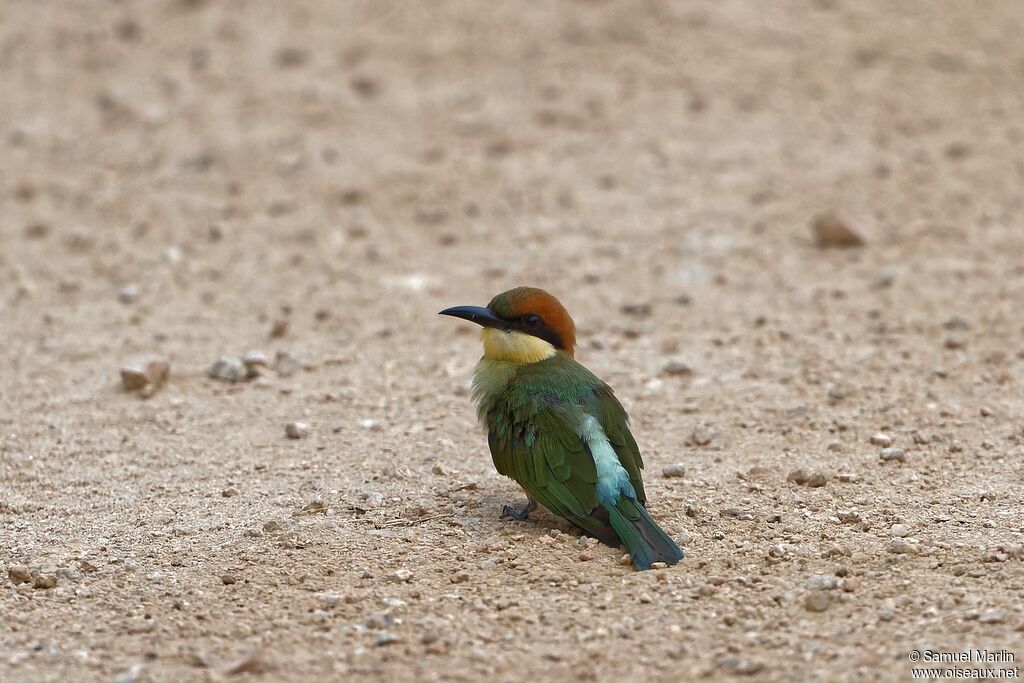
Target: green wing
533, 425
553, 464
615, 423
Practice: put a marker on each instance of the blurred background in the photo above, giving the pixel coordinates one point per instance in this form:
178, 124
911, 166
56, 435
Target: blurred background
791, 224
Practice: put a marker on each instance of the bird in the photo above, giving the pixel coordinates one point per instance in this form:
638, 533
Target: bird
556, 429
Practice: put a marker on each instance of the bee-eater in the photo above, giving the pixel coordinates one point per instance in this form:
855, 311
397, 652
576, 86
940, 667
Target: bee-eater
558, 430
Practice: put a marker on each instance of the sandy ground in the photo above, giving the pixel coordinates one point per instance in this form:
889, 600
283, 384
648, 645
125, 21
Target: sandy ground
353, 167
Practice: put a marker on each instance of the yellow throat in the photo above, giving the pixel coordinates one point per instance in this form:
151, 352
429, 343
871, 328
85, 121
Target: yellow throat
515, 347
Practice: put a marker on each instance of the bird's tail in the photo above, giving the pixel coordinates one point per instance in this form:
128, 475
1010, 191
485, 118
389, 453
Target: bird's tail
644, 539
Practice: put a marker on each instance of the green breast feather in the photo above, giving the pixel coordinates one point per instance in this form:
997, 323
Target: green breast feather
534, 415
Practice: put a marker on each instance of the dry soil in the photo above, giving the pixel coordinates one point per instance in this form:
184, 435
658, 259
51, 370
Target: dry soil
179, 176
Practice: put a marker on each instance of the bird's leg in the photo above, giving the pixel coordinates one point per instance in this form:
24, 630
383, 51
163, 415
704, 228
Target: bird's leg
520, 513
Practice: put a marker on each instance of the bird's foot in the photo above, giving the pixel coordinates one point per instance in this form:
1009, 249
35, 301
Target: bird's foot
520, 513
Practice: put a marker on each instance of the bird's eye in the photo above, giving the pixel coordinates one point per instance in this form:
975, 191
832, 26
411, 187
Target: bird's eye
533, 321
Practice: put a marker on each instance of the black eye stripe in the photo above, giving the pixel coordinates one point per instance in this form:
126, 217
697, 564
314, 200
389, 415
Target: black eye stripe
535, 326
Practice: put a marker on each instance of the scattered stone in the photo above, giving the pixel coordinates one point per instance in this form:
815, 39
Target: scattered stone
675, 471
899, 530
881, 439
153, 372
992, 616
892, 453
44, 580
255, 362
957, 322
250, 663
831, 231
676, 368
848, 516
955, 342
823, 582
386, 638
802, 477
740, 666
738, 513
401, 576
297, 430
626, 560
279, 328
702, 435
636, 310
228, 579
380, 621
659, 565
286, 364
313, 507
817, 479
229, 492
371, 499
199, 659
460, 577
886, 276
19, 573
229, 369
900, 546
817, 601
985, 411
128, 294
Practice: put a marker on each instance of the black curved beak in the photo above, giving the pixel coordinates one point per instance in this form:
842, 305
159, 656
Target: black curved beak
476, 314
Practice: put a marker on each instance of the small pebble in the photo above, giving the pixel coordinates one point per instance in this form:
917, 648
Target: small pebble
823, 582
702, 435
386, 638
892, 453
228, 369
955, 342
831, 231
228, 579
229, 492
900, 546
460, 577
19, 573
817, 601
44, 580
250, 663
677, 470
297, 430
401, 576
881, 439
128, 294
802, 477
676, 368
137, 376
371, 499
992, 616
279, 328
636, 310
255, 361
